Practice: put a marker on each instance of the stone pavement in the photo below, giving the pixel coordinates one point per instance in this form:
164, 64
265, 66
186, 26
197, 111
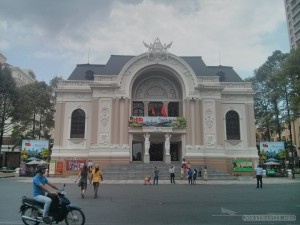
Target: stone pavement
241, 180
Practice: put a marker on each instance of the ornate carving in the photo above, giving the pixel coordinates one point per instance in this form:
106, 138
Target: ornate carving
104, 118
209, 119
104, 139
211, 139
156, 51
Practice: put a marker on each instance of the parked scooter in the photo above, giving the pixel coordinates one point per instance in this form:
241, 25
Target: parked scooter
60, 209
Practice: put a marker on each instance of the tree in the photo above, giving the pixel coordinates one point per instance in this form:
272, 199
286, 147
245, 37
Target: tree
291, 70
34, 114
8, 97
268, 98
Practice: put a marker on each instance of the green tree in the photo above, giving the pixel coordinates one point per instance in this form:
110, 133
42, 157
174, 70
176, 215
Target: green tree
268, 98
34, 114
291, 70
8, 97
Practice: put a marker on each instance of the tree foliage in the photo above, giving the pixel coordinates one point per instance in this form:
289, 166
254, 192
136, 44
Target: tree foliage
34, 114
277, 93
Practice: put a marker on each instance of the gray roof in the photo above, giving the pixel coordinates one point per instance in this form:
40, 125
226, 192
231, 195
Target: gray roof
117, 62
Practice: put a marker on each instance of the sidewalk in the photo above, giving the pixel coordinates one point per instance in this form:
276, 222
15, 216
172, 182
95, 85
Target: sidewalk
242, 180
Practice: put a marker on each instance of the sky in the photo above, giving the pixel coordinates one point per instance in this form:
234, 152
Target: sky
51, 37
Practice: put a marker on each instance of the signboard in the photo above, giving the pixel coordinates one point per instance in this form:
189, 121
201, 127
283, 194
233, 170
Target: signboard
52, 167
22, 171
242, 165
271, 149
144, 121
74, 164
59, 167
33, 148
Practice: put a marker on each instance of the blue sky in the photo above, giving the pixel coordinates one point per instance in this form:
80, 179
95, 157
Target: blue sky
51, 37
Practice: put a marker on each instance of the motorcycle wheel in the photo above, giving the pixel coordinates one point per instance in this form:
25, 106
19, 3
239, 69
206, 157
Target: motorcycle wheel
32, 213
75, 217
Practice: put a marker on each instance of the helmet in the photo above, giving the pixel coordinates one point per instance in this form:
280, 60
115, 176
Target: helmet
40, 167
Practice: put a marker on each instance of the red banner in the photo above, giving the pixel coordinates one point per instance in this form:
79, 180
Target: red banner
163, 112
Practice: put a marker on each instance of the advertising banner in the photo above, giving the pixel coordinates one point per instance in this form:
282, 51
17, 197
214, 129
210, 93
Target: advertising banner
271, 149
242, 165
52, 167
144, 121
33, 148
74, 164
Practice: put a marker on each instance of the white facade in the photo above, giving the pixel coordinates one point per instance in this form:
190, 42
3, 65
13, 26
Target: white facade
156, 78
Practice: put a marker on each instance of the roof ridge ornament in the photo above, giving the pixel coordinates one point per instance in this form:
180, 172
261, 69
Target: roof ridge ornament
157, 51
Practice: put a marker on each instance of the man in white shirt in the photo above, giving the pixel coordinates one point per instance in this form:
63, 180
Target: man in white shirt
172, 174
259, 174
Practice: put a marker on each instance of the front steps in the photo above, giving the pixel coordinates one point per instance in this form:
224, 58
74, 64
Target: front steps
140, 170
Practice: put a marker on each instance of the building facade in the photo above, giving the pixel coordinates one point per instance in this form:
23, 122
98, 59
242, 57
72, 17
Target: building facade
292, 10
154, 107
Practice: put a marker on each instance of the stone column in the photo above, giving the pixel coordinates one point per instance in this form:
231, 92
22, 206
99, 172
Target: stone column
167, 148
146, 148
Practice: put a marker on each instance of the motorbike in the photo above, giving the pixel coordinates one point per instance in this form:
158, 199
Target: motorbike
60, 209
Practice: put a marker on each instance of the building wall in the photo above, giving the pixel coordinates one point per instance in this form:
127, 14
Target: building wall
292, 9
204, 102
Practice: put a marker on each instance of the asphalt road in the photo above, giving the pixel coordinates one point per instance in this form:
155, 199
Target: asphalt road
137, 204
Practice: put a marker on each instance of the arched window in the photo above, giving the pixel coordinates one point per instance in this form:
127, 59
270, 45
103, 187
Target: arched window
232, 125
78, 124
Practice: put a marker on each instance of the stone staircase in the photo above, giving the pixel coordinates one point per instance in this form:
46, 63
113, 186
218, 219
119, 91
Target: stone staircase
139, 170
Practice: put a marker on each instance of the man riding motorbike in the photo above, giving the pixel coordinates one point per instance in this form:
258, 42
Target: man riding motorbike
39, 190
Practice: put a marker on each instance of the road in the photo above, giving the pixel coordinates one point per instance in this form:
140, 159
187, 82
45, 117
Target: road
137, 204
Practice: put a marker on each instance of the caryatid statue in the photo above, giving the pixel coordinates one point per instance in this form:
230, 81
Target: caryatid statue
147, 143
167, 143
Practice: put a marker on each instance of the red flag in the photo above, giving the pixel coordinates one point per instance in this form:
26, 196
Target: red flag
153, 111
163, 112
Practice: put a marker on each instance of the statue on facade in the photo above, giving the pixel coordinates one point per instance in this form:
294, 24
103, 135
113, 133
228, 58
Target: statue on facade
147, 143
157, 51
167, 143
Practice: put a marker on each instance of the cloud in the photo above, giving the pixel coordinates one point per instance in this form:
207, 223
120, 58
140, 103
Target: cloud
231, 32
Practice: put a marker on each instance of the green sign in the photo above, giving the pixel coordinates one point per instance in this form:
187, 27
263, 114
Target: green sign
242, 165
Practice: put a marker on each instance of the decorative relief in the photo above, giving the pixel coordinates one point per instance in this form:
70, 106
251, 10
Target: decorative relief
157, 88
211, 140
104, 139
104, 118
209, 118
156, 51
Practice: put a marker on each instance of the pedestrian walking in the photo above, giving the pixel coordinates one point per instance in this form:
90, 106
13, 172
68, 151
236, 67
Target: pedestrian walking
96, 177
83, 175
259, 174
194, 176
293, 173
90, 165
155, 179
190, 175
205, 173
172, 174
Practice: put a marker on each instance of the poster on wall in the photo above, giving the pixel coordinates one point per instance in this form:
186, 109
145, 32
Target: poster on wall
35, 148
271, 149
74, 164
242, 165
59, 167
52, 165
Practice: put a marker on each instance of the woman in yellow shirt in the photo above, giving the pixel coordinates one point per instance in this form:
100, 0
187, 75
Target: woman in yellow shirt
96, 177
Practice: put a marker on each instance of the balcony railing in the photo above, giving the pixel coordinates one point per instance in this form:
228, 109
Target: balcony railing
144, 121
